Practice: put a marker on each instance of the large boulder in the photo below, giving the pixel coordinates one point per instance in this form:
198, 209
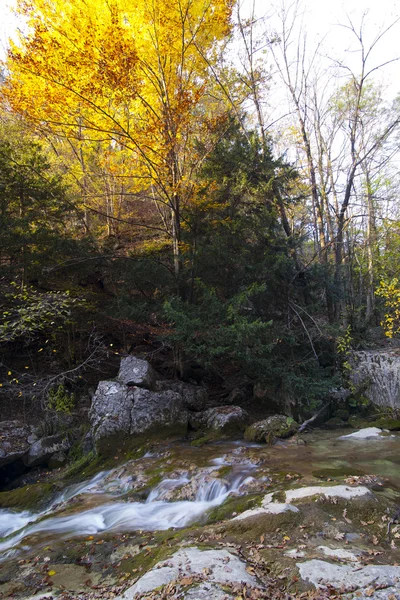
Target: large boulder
119, 411
152, 410
276, 426
224, 419
14, 443
135, 371
110, 413
194, 397
41, 451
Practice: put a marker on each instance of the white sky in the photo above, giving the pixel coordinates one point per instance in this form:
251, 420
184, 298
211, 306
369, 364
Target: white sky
322, 18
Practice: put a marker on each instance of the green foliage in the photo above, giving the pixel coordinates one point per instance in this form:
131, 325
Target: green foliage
27, 312
60, 400
211, 329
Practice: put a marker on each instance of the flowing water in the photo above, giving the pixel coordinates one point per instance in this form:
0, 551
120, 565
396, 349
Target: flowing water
207, 476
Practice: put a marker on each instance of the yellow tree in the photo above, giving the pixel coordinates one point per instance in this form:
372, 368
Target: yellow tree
133, 76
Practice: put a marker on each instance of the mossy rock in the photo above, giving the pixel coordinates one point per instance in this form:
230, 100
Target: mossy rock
342, 414
276, 426
27, 497
387, 423
233, 504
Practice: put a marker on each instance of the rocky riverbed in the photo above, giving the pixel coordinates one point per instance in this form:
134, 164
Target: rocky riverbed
310, 517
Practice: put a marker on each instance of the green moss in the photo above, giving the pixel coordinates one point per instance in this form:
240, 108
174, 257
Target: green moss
117, 445
207, 438
27, 497
253, 527
277, 426
223, 471
233, 504
387, 423
337, 473
80, 465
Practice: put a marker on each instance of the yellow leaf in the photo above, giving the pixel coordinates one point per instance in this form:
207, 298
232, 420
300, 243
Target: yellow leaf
51, 573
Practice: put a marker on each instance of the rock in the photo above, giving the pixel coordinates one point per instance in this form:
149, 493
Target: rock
57, 460
275, 508
237, 396
207, 591
334, 423
342, 414
120, 411
135, 371
339, 553
40, 452
14, 443
225, 419
276, 426
323, 574
335, 491
110, 413
268, 507
221, 567
194, 397
376, 374
363, 434
153, 410
88, 443
339, 394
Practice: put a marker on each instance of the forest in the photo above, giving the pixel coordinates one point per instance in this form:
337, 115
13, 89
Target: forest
200, 300
200, 185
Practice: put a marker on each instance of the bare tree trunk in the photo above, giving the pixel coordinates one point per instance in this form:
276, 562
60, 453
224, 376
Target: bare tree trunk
371, 244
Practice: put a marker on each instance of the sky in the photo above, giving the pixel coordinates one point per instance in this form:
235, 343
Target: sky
321, 18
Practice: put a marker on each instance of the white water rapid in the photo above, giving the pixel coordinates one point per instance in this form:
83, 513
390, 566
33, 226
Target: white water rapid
156, 513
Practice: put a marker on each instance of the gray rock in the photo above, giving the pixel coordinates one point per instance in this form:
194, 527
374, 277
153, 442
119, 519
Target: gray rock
222, 567
334, 491
110, 413
88, 443
194, 397
57, 460
120, 411
221, 418
323, 574
207, 591
157, 409
135, 371
363, 434
276, 426
14, 441
40, 452
377, 374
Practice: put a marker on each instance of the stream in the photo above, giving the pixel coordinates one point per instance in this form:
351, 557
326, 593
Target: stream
193, 481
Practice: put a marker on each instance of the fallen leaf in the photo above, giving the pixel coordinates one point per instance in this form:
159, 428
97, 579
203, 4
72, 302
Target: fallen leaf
186, 581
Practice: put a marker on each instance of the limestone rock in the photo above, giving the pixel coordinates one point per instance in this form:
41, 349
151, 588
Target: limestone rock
110, 413
335, 491
135, 371
221, 418
157, 409
194, 397
120, 410
207, 591
363, 434
323, 574
14, 441
377, 373
276, 426
57, 460
222, 567
41, 451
